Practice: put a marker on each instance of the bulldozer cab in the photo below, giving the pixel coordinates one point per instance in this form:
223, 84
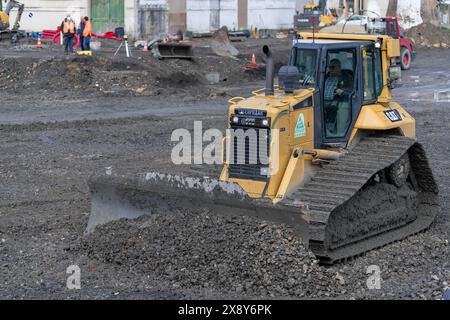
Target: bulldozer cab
345, 76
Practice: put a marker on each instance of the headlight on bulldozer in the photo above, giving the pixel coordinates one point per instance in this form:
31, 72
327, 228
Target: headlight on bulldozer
258, 122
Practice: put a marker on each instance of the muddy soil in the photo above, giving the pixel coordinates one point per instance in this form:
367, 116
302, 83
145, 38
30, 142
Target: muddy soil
50, 145
48, 71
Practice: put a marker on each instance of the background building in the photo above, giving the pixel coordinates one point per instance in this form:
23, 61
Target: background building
151, 17
148, 18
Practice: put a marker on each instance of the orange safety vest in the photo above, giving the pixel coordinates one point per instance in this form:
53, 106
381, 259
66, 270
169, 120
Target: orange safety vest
69, 26
87, 32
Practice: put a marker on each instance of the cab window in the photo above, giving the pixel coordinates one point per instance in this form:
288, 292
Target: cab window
338, 91
393, 29
306, 63
372, 73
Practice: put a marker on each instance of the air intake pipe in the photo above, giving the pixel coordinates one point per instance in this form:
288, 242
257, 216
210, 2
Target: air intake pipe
270, 70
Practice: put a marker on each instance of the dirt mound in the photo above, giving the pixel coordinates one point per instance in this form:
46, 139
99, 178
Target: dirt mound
428, 35
49, 71
92, 75
238, 255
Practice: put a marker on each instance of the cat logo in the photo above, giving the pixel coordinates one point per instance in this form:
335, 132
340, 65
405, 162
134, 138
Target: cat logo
393, 115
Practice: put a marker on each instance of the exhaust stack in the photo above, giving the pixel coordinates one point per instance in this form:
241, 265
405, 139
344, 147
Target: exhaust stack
269, 71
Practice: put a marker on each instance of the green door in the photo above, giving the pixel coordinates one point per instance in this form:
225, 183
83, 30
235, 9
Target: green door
107, 15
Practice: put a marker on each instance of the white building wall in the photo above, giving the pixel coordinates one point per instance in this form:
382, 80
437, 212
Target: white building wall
131, 17
333, 4
198, 15
408, 12
271, 14
208, 15
263, 14
229, 14
300, 4
376, 8
48, 14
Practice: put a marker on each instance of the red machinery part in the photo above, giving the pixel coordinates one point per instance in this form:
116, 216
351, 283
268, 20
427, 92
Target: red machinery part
55, 39
55, 34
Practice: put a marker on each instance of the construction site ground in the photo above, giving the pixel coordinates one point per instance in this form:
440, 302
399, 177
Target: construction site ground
64, 118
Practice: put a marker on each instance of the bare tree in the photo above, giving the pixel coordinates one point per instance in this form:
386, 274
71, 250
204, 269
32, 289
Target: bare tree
430, 12
392, 8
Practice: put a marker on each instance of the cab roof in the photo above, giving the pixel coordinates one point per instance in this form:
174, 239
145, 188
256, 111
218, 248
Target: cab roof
329, 43
342, 36
388, 44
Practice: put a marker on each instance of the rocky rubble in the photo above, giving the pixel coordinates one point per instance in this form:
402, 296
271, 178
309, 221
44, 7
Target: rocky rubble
428, 36
245, 257
240, 256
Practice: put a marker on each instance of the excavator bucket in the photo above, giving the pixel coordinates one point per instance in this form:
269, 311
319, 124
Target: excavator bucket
175, 50
116, 197
221, 45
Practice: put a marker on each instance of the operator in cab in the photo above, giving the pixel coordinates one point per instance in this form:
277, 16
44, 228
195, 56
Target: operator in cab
338, 88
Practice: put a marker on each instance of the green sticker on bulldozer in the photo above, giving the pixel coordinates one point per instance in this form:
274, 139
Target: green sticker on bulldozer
300, 130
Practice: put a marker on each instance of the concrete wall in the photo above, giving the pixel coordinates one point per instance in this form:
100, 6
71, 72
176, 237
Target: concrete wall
299, 4
153, 18
229, 14
131, 17
198, 15
161, 16
408, 12
177, 15
376, 8
48, 14
271, 14
209, 15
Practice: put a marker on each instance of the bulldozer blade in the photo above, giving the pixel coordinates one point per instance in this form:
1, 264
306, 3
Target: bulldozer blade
175, 50
116, 197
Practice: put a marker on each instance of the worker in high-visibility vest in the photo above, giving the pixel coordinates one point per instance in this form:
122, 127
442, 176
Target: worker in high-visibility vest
68, 29
87, 33
80, 32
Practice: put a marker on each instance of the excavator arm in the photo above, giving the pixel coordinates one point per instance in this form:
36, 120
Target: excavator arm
20, 6
4, 15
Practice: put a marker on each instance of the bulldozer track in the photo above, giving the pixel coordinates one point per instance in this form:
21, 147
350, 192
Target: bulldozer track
337, 183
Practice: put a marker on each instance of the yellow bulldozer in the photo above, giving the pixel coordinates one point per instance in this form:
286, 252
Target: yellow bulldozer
327, 152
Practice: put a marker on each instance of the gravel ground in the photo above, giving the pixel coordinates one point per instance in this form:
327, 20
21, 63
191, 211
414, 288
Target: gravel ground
48, 150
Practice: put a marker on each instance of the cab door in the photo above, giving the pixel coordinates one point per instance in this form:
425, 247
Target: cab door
339, 95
